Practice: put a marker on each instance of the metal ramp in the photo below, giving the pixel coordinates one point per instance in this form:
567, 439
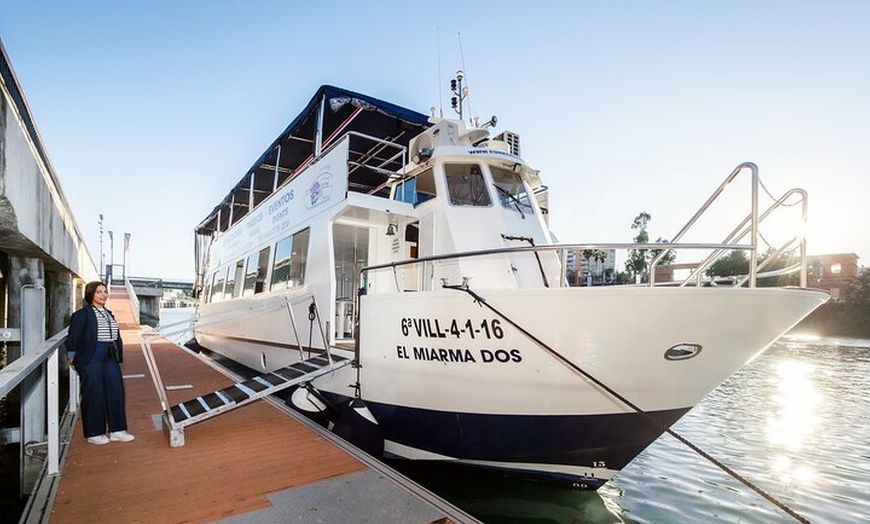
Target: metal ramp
178, 417
201, 408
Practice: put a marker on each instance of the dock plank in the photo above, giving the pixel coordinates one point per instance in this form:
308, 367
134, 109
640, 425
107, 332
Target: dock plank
228, 467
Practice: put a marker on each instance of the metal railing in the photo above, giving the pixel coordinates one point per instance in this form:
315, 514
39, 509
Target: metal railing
134, 299
749, 226
37, 371
560, 249
44, 359
259, 307
175, 429
734, 241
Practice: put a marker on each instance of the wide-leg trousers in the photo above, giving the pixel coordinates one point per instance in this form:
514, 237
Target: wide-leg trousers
102, 388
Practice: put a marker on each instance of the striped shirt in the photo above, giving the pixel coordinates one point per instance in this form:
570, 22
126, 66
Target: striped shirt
107, 328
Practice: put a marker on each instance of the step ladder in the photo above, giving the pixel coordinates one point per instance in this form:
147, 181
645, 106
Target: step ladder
213, 404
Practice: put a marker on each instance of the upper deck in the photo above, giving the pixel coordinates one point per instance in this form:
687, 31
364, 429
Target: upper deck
331, 113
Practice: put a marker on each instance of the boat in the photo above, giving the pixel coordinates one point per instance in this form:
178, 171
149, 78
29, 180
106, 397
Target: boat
418, 248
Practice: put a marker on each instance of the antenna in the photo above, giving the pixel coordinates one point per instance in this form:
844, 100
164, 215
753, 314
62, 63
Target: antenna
440, 101
462, 61
460, 92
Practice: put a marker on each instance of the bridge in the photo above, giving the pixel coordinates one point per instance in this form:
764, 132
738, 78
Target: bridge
161, 283
151, 293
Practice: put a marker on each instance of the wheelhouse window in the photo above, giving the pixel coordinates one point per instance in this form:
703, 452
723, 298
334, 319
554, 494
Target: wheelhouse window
417, 189
511, 190
255, 276
466, 185
291, 255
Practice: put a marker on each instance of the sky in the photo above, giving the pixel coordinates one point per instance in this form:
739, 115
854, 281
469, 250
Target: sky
151, 111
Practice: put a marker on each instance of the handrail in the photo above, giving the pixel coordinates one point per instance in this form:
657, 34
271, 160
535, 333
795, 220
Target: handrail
19, 369
269, 304
740, 232
753, 213
134, 299
549, 247
263, 306
558, 248
749, 226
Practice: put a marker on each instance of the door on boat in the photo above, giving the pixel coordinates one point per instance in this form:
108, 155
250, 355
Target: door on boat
351, 255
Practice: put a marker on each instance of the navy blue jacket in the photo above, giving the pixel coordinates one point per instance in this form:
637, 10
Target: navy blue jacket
81, 341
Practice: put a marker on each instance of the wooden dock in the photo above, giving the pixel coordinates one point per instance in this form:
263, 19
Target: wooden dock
252, 464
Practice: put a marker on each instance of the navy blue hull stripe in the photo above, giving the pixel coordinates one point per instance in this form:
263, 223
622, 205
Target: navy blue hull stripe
579, 440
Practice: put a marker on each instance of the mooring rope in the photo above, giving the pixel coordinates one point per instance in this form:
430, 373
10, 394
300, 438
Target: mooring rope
646, 416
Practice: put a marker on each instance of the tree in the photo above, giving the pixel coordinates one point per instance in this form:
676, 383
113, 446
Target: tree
858, 304
597, 255
639, 259
734, 263
668, 258
858, 293
600, 257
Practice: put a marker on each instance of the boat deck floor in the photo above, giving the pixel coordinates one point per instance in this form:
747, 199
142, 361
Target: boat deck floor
252, 464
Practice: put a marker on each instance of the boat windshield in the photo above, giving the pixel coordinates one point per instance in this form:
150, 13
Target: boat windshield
466, 185
511, 190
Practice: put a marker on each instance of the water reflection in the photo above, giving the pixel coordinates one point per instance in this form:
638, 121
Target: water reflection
496, 499
794, 420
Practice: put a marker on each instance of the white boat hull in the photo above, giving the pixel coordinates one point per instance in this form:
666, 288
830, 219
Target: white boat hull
450, 379
520, 372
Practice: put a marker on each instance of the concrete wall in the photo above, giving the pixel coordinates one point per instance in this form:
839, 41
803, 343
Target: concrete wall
40, 242
35, 218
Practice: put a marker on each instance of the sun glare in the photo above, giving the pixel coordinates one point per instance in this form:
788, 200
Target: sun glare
793, 419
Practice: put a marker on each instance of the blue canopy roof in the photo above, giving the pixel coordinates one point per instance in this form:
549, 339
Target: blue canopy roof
343, 111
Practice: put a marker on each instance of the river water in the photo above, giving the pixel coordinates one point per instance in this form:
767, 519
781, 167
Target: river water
795, 422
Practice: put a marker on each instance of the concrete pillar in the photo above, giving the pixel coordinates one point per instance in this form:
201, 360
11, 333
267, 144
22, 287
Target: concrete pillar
59, 293
33, 388
4, 295
22, 271
27, 311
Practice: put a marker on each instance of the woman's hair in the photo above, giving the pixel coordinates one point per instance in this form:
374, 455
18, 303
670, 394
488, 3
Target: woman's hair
91, 289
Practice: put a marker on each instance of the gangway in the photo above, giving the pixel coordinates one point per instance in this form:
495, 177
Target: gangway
179, 416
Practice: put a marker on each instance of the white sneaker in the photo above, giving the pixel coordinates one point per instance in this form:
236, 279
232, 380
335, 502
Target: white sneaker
99, 440
121, 436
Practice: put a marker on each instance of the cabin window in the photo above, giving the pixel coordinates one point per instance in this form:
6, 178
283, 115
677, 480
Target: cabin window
255, 276
511, 190
217, 287
235, 280
229, 282
466, 185
417, 189
206, 296
291, 254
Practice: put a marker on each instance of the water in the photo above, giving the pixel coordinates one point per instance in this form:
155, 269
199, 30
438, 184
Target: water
796, 422
173, 321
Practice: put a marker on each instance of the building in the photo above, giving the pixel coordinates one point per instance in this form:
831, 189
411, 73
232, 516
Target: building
592, 271
834, 273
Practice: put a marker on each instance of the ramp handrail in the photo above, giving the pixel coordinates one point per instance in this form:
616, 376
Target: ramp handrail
219, 317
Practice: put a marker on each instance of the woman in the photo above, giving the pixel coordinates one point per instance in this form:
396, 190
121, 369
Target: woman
95, 349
